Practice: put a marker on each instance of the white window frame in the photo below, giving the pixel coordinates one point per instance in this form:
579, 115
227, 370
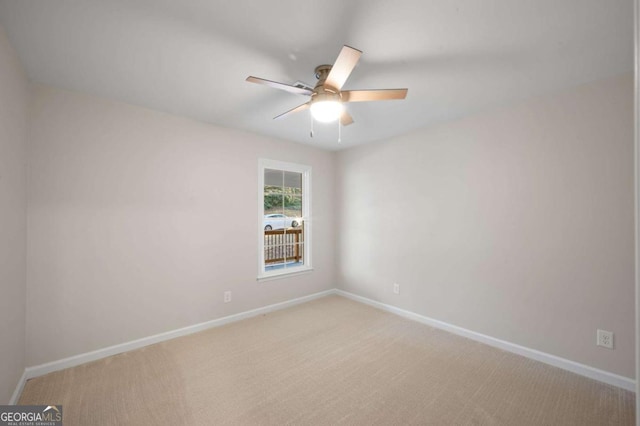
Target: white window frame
305, 170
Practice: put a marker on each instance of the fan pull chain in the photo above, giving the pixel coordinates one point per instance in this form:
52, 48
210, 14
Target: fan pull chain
311, 117
339, 132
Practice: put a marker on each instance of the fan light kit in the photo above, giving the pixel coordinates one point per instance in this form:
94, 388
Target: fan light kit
327, 100
326, 111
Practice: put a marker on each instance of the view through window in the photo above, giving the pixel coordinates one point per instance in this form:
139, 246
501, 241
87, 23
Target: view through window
283, 225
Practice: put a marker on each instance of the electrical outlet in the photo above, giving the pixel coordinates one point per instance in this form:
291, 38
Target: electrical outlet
604, 339
227, 296
396, 288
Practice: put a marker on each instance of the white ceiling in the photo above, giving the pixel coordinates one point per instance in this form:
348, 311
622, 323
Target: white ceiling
191, 57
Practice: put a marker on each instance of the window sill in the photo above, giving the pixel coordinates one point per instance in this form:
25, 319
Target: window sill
287, 274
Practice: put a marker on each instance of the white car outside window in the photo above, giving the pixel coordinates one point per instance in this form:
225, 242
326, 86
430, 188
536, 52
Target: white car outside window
280, 221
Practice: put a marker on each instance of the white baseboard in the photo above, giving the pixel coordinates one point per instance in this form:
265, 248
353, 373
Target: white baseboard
19, 387
565, 364
584, 370
39, 370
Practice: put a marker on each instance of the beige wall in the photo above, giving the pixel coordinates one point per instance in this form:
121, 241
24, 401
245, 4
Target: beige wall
516, 223
139, 221
14, 95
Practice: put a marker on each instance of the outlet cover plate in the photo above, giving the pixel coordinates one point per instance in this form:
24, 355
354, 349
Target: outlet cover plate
604, 339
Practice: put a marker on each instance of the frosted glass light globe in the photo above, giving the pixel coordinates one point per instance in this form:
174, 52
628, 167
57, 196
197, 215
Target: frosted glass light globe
326, 111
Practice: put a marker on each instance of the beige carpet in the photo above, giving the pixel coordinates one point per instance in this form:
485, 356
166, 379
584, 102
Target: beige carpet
330, 361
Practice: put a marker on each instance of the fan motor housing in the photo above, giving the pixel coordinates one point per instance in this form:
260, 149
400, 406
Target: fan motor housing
322, 95
321, 72
321, 92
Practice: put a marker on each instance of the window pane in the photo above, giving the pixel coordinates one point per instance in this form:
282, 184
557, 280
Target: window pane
293, 207
294, 255
274, 179
292, 183
284, 247
273, 204
272, 190
298, 254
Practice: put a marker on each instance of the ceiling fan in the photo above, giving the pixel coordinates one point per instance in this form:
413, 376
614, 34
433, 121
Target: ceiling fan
327, 99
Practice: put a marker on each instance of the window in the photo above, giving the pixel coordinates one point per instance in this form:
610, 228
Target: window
284, 212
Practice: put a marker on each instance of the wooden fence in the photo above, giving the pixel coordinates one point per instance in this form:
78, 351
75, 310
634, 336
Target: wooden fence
283, 245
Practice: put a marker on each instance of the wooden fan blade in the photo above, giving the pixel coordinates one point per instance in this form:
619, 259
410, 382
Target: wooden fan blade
345, 118
291, 111
373, 95
281, 86
341, 69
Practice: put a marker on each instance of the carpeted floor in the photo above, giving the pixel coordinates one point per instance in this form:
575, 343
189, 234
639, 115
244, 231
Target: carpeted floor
330, 361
